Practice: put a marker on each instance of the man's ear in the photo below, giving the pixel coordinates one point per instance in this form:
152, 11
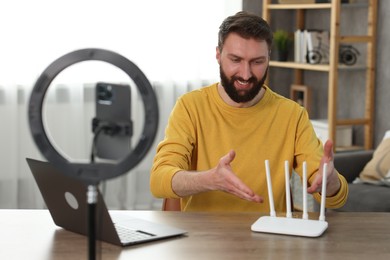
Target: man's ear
218, 55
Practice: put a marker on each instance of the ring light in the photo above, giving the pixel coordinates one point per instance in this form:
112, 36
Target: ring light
93, 173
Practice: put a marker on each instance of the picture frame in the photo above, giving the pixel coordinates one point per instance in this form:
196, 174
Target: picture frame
302, 95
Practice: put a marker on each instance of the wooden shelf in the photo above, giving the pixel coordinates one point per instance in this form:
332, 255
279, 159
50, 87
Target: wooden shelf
334, 67
296, 65
356, 39
315, 67
357, 121
299, 6
349, 148
314, 6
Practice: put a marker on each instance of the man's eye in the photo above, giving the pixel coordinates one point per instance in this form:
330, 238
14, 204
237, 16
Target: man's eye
259, 62
235, 60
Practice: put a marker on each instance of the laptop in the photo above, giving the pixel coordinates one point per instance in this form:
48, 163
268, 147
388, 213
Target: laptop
66, 200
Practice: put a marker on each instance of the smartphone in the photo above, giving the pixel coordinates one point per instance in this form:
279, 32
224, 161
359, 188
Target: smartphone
112, 125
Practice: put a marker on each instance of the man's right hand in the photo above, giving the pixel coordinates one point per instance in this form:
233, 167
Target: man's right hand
220, 178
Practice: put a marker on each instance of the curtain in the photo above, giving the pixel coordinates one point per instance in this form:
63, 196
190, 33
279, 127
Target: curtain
68, 111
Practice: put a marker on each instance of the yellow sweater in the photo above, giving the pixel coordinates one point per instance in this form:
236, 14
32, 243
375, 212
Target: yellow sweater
202, 128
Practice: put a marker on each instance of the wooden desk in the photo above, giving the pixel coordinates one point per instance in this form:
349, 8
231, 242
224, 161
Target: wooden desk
31, 234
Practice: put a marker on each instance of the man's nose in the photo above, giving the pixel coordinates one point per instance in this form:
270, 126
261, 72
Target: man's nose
245, 71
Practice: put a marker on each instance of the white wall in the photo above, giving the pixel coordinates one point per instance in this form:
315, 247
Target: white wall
170, 39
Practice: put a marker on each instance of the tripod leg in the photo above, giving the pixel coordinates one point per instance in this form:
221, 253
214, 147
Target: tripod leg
91, 199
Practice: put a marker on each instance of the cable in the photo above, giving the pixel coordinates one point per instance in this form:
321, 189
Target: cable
97, 128
93, 147
109, 128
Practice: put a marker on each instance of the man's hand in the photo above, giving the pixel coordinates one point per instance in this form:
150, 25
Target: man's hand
220, 178
333, 181
226, 180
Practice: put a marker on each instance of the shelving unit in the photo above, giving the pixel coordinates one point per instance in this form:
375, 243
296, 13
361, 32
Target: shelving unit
333, 67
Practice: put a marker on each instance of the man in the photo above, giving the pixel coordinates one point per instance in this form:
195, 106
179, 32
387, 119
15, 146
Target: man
218, 137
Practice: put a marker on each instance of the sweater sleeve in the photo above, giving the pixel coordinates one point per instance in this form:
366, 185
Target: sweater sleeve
337, 200
174, 153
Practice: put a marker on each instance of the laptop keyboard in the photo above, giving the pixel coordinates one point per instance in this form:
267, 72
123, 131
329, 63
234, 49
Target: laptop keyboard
129, 235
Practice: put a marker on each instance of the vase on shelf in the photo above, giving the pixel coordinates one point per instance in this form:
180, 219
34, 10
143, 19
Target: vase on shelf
282, 55
282, 41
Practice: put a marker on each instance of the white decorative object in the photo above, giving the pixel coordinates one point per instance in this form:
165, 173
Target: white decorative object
343, 133
387, 135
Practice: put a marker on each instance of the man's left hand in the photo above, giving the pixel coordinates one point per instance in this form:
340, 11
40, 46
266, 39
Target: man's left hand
333, 181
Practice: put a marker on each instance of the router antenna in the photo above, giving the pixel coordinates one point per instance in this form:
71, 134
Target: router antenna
323, 192
288, 195
269, 185
290, 225
304, 191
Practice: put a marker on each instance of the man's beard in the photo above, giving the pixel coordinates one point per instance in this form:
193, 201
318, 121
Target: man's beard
237, 95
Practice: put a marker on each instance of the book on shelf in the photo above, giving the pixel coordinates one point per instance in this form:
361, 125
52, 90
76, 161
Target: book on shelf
311, 46
296, 45
300, 46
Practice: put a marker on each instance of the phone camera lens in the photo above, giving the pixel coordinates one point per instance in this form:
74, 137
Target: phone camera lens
105, 93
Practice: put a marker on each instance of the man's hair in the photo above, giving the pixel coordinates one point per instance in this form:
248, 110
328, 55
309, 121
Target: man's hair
248, 26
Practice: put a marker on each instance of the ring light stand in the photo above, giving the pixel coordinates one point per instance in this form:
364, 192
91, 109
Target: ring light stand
93, 173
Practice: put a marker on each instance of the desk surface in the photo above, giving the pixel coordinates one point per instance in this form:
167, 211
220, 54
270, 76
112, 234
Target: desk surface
31, 234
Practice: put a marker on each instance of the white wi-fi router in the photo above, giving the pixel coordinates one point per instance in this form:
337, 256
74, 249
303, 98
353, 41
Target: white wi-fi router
289, 225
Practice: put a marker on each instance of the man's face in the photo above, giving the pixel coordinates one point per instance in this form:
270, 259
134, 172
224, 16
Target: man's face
243, 67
